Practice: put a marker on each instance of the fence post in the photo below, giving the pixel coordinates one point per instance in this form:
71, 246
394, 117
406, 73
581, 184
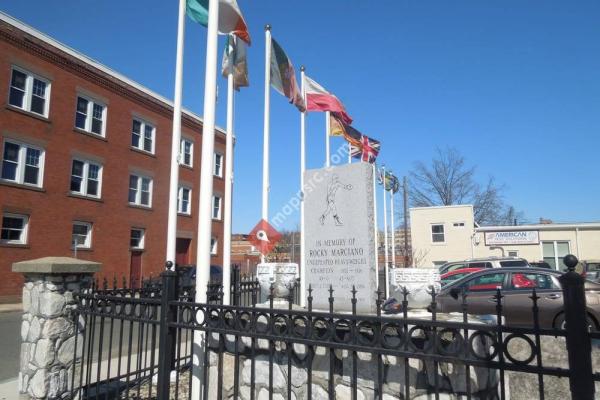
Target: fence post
166, 341
578, 338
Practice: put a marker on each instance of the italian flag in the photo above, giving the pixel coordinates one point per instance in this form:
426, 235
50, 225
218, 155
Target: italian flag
230, 17
319, 99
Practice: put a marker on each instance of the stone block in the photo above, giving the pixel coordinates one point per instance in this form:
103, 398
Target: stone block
343, 392
35, 329
26, 299
44, 353
261, 370
51, 304
24, 330
66, 351
35, 300
38, 385
25, 356
395, 378
57, 383
57, 327
318, 393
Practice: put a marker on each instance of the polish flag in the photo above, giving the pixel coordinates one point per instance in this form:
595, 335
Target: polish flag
319, 99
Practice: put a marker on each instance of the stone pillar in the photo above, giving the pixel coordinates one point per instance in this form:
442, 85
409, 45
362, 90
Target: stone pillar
48, 331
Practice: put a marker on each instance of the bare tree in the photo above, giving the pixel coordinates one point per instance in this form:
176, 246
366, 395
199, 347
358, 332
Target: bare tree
448, 180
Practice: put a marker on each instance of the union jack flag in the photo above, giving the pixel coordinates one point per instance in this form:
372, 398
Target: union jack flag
367, 151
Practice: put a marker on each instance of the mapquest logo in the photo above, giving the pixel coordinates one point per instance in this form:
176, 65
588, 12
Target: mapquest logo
264, 237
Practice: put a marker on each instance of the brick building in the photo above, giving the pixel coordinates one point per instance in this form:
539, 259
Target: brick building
244, 254
85, 158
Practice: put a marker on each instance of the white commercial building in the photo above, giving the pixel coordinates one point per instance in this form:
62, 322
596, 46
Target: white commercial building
449, 233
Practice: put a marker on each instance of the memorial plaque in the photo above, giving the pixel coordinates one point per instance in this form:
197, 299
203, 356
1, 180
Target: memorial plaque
418, 282
339, 225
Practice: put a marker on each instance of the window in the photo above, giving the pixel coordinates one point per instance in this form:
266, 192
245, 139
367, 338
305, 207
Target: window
14, 229
82, 235
554, 252
530, 281
437, 233
22, 163
187, 152
213, 246
216, 214
184, 198
136, 240
218, 165
90, 115
513, 253
486, 282
140, 190
459, 224
29, 92
86, 178
142, 136
479, 265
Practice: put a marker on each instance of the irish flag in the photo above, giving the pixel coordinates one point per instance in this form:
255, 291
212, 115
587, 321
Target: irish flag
283, 76
230, 17
319, 99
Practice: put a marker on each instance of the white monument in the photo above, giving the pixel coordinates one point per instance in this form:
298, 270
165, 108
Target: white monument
339, 225
281, 275
419, 283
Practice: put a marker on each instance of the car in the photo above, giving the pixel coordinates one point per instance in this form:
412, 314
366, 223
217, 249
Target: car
540, 264
517, 285
457, 274
186, 276
589, 269
488, 262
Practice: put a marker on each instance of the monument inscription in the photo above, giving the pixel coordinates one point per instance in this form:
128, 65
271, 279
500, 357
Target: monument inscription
340, 236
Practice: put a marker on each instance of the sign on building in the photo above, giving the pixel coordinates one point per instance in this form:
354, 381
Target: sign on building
512, 237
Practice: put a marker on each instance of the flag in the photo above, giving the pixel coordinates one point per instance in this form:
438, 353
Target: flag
230, 17
234, 59
367, 151
338, 128
395, 186
283, 76
319, 99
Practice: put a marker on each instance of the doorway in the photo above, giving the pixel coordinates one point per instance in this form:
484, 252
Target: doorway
135, 269
182, 251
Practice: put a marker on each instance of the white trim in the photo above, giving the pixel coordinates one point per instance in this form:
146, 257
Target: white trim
89, 116
22, 162
96, 64
220, 174
28, 92
142, 135
220, 208
179, 197
24, 230
142, 241
541, 227
214, 246
138, 190
431, 225
87, 244
440, 207
85, 177
182, 152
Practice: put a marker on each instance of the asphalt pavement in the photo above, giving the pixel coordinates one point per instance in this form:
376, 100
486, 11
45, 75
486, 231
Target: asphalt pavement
10, 344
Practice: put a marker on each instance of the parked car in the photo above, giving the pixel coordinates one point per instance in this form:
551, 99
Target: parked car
488, 262
457, 274
516, 285
540, 264
187, 276
589, 269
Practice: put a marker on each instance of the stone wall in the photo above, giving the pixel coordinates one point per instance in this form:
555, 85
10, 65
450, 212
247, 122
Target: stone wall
422, 376
48, 334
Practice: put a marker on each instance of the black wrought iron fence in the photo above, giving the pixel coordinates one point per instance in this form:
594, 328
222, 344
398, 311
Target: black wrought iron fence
169, 347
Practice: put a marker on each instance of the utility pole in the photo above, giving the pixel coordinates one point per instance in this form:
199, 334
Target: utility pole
405, 197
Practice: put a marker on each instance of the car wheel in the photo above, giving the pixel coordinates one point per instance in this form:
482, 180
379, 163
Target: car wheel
560, 322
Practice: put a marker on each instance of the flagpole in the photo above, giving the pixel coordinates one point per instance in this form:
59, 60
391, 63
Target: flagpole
228, 185
302, 169
375, 223
327, 129
385, 227
349, 153
205, 188
176, 139
267, 128
393, 228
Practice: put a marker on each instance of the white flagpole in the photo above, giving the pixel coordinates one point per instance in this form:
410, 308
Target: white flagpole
267, 128
176, 139
393, 228
302, 169
327, 129
228, 184
375, 223
205, 188
385, 229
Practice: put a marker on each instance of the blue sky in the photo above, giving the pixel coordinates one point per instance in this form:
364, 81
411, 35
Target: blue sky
513, 85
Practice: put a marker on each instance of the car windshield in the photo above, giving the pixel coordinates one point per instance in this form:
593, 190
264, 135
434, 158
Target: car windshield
514, 263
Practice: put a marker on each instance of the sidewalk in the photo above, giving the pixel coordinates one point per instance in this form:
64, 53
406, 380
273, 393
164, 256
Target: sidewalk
10, 307
9, 389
